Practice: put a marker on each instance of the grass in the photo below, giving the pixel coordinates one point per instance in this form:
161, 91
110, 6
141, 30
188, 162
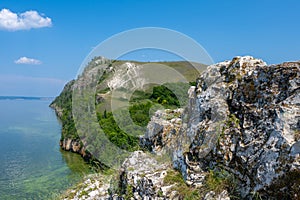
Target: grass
173, 177
190, 70
184, 192
218, 180
256, 196
129, 192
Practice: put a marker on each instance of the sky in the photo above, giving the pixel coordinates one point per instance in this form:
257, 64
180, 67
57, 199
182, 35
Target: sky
44, 42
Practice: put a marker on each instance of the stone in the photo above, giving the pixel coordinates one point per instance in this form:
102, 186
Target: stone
242, 119
243, 116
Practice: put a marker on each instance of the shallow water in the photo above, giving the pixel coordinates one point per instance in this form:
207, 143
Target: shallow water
32, 166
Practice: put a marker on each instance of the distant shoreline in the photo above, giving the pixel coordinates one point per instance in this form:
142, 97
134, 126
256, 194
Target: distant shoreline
25, 98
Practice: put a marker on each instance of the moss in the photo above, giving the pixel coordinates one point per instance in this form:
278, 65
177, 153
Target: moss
143, 175
172, 116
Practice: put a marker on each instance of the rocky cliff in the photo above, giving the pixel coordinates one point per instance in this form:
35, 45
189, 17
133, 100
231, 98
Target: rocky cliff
238, 138
101, 77
243, 117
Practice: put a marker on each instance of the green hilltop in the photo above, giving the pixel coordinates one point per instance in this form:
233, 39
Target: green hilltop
142, 103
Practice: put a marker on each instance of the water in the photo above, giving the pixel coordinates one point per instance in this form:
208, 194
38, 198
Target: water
32, 166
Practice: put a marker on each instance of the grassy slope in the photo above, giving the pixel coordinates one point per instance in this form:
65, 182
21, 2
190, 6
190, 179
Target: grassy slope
140, 103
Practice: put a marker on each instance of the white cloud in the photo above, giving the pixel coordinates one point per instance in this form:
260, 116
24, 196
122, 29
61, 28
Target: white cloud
30, 61
23, 21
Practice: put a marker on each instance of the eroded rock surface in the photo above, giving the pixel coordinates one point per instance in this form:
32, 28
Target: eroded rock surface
240, 130
243, 116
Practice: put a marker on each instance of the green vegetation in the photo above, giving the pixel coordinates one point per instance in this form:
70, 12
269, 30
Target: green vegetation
116, 135
187, 69
219, 180
83, 193
64, 102
184, 192
121, 131
142, 106
231, 122
139, 113
167, 96
171, 94
129, 192
160, 193
173, 177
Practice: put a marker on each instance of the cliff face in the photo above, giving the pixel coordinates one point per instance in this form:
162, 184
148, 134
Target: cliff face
75, 146
69, 139
99, 79
243, 117
238, 137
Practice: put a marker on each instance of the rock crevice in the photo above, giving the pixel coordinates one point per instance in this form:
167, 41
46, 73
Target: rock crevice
243, 116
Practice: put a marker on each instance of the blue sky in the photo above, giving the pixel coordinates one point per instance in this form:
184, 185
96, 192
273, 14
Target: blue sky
68, 30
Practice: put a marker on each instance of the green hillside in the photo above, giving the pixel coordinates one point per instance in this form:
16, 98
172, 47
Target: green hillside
141, 104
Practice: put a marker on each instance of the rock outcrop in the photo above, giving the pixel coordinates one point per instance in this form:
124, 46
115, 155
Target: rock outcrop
243, 117
238, 137
142, 177
75, 146
145, 176
93, 187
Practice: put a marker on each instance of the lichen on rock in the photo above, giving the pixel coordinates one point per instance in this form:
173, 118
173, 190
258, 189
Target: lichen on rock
238, 137
243, 116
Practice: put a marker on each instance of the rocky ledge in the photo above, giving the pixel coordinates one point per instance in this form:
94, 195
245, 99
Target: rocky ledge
238, 138
75, 146
243, 119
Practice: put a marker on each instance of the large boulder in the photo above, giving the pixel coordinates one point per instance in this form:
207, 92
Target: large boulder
243, 117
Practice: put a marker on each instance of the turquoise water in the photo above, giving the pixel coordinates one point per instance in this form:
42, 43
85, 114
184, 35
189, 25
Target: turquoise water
32, 166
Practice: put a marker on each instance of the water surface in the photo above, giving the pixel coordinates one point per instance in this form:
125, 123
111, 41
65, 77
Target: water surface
32, 166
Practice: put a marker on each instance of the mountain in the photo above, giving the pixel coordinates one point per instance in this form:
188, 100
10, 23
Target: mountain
237, 137
102, 78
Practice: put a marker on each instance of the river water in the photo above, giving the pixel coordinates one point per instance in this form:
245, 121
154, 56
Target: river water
32, 166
